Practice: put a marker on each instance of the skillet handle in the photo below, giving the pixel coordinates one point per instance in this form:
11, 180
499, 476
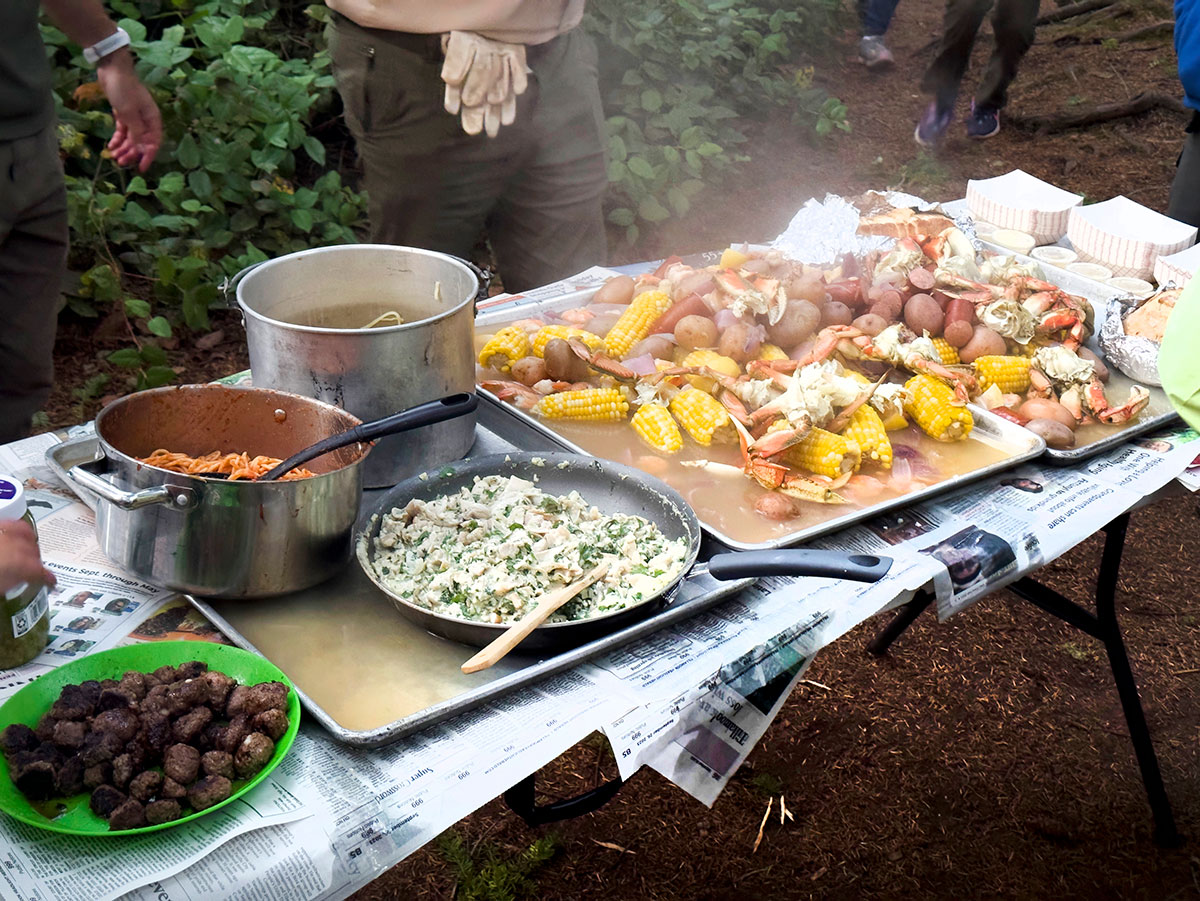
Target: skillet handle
799, 562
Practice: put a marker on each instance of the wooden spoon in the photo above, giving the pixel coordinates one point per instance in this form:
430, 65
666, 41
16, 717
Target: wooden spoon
531, 620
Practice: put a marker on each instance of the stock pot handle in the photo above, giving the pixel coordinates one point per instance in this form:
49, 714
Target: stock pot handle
228, 284
177, 496
483, 276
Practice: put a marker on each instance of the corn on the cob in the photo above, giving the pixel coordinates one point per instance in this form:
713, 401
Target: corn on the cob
546, 333
635, 322
771, 352
825, 454
657, 427
732, 259
584, 405
714, 361
504, 348
700, 413
1009, 374
867, 431
947, 352
932, 406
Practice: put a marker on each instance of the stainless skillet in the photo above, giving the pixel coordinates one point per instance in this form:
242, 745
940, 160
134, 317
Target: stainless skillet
613, 488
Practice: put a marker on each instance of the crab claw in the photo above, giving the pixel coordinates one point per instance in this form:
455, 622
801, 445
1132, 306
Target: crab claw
601, 362
1139, 397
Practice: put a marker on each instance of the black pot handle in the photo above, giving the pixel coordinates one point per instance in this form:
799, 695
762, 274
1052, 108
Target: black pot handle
799, 562
482, 276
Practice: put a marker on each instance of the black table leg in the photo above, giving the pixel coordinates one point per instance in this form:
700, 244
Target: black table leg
904, 618
520, 800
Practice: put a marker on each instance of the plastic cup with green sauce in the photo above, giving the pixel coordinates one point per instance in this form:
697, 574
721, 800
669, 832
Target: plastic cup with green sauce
24, 608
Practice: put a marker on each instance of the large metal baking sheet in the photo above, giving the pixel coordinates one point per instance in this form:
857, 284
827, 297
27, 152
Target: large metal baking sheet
347, 650
1020, 443
1091, 440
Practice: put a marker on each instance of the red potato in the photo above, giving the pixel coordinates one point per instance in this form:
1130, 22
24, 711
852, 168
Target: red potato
660, 347
958, 333
922, 314
699, 282
529, 370
1053, 432
1044, 408
799, 320
692, 305
615, 290
959, 310
983, 343
809, 287
1100, 369
836, 313
870, 324
696, 331
889, 305
777, 506
740, 341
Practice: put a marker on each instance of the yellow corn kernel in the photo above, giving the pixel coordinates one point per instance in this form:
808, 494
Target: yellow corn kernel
635, 322
584, 405
657, 427
504, 348
933, 407
771, 352
714, 361
895, 420
1009, 374
546, 333
947, 352
700, 413
866, 430
825, 454
731, 259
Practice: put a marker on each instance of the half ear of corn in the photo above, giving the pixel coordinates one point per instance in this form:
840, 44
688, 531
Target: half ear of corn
714, 361
584, 405
545, 334
867, 431
1009, 374
700, 413
635, 322
504, 348
657, 427
933, 407
771, 352
825, 454
947, 352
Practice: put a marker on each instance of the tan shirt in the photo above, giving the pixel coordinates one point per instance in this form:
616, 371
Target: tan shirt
516, 21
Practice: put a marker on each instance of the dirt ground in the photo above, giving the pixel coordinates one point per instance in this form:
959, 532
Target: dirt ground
985, 757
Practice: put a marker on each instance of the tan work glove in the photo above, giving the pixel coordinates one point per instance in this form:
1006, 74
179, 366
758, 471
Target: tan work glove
483, 80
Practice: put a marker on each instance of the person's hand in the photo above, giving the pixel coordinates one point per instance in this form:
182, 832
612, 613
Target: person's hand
483, 80
139, 126
19, 558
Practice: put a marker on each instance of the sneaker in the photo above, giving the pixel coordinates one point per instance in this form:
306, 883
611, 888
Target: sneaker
873, 53
983, 122
933, 124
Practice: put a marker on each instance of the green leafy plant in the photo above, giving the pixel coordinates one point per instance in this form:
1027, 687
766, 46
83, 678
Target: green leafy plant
484, 874
240, 178
680, 80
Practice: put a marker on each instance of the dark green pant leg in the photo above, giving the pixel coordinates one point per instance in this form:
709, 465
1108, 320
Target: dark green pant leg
33, 255
550, 222
1185, 188
1014, 28
960, 25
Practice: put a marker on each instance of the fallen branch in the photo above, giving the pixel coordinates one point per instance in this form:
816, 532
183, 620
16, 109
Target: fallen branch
1071, 11
1103, 112
1146, 31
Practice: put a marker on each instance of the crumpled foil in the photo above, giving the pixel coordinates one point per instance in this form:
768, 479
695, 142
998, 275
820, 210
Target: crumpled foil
823, 230
1133, 355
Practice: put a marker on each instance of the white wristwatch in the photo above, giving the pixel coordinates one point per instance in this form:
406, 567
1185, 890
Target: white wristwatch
111, 44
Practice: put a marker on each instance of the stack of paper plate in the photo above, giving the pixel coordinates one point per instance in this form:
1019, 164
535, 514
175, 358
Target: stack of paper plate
1126, 236
1023, 203
1177, 267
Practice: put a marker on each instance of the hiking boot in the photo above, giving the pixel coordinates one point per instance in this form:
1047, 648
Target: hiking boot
934, 122
873, 53
983, 122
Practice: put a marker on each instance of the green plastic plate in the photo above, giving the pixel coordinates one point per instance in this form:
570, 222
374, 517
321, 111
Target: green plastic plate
73, 815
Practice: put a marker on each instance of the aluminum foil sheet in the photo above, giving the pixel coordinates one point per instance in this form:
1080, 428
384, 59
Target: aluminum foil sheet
1135, 356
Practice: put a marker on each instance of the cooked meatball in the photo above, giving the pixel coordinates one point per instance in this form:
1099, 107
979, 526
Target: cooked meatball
156, 703
165, 674
219, 687
123, 770
235, 733
189, 726
172, 789
44, 730
211, 737
121, 722
91, 690
73, 704
209, 791
253, 753
192, 669
217, 763
108, 683
70, 734
18, 737
181, 763
186, 695
134, 684
106, 799
68, 780
99, 747
137, 750
129, 815
48, 751
254, 699
97, 775
112, 698
163, 811
145, 785
272, 722
156, 731
36, 780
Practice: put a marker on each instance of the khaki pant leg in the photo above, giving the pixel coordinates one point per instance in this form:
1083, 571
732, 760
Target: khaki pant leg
33, 255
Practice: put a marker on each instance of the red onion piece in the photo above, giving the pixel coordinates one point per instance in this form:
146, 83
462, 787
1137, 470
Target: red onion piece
643, 365
724, 319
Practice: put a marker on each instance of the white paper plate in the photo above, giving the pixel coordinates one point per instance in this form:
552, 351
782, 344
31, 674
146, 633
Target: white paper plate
1018, 200
1126, 236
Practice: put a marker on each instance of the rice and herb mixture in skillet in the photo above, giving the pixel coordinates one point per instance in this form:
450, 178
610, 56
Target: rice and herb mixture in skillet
490, 552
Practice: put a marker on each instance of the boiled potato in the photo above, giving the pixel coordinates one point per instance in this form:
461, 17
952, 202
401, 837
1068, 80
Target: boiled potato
696, 331
959, 333
923, 314
984, 342
799, 320
777, 506
1053, 432
661, 347
870, 324
1100, 369
1044, 408
562, 364
615, 290
738, 341
836, 313
529, 370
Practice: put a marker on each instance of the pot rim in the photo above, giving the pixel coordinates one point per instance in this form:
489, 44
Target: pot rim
336, 248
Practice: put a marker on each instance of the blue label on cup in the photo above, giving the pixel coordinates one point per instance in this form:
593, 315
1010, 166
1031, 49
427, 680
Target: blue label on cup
7, 490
